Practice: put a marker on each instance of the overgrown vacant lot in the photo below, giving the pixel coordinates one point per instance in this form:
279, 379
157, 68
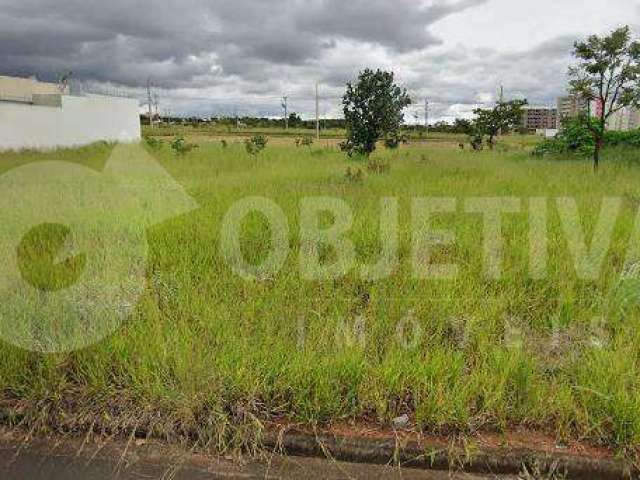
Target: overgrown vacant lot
213, 355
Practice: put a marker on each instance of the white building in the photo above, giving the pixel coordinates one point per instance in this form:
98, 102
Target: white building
43, 116
627, 118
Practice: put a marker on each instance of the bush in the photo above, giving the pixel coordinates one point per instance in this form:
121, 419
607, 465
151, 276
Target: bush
623, 139
153, 143
306, 141
378, 166
393, 142
255, 145
574, 138
476, 140
181, 147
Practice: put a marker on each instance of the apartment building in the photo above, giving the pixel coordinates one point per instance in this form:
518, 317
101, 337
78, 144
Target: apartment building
539, 118
627, 118
571, 106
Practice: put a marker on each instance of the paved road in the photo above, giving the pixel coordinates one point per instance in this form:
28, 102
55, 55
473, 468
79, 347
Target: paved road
72, 460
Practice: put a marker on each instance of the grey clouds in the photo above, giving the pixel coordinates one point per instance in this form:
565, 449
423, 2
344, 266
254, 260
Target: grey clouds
248, 52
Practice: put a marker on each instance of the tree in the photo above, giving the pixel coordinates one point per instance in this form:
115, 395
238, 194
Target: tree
461, 125
294, 120
372, 110
504, 117
608, 73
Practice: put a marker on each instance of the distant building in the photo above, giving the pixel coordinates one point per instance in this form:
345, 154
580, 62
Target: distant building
44, 115
539, 118
547, 132
571, 106
627, 118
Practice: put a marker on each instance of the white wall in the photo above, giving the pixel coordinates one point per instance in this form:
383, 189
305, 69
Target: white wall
77, 121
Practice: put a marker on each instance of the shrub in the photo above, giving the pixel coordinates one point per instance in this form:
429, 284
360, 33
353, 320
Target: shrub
574, 138
393, 142
181, 147
153, 143
306, 141
623, 139
255, 145
477, 141
378, 166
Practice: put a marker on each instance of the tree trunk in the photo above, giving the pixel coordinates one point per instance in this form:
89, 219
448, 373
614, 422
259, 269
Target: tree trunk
596, 153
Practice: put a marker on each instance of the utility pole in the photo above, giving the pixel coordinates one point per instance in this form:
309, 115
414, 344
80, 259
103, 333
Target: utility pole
317, 114
149, 102
426, 115
286, 117
501, 102
156, 103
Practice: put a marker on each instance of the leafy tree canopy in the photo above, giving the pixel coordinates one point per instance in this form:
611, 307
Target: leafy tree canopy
504, 117
607, 72
373, 109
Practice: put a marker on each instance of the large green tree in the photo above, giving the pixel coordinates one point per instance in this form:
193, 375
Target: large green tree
504, 117
607, 72
373, 109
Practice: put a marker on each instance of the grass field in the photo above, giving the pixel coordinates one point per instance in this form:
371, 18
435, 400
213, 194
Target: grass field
213, 356
206, 132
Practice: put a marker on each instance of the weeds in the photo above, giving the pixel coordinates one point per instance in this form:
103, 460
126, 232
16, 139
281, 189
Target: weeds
537, 471
377, 166
255, 145
306, 141
181, 147
354, 175
154, 143
209, 356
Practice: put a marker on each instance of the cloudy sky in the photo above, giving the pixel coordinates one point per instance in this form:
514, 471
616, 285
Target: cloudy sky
212, 57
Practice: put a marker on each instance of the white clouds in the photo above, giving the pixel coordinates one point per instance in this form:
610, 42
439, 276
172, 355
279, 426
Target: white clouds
508, 25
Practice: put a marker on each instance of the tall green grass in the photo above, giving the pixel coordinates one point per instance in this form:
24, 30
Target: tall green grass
215, 356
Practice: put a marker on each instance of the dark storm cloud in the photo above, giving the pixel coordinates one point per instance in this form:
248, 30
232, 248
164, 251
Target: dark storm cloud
178, 40
234, 48
401, 24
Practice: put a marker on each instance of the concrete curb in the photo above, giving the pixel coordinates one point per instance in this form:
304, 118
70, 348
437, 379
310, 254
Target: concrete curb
430, 455
435, 457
